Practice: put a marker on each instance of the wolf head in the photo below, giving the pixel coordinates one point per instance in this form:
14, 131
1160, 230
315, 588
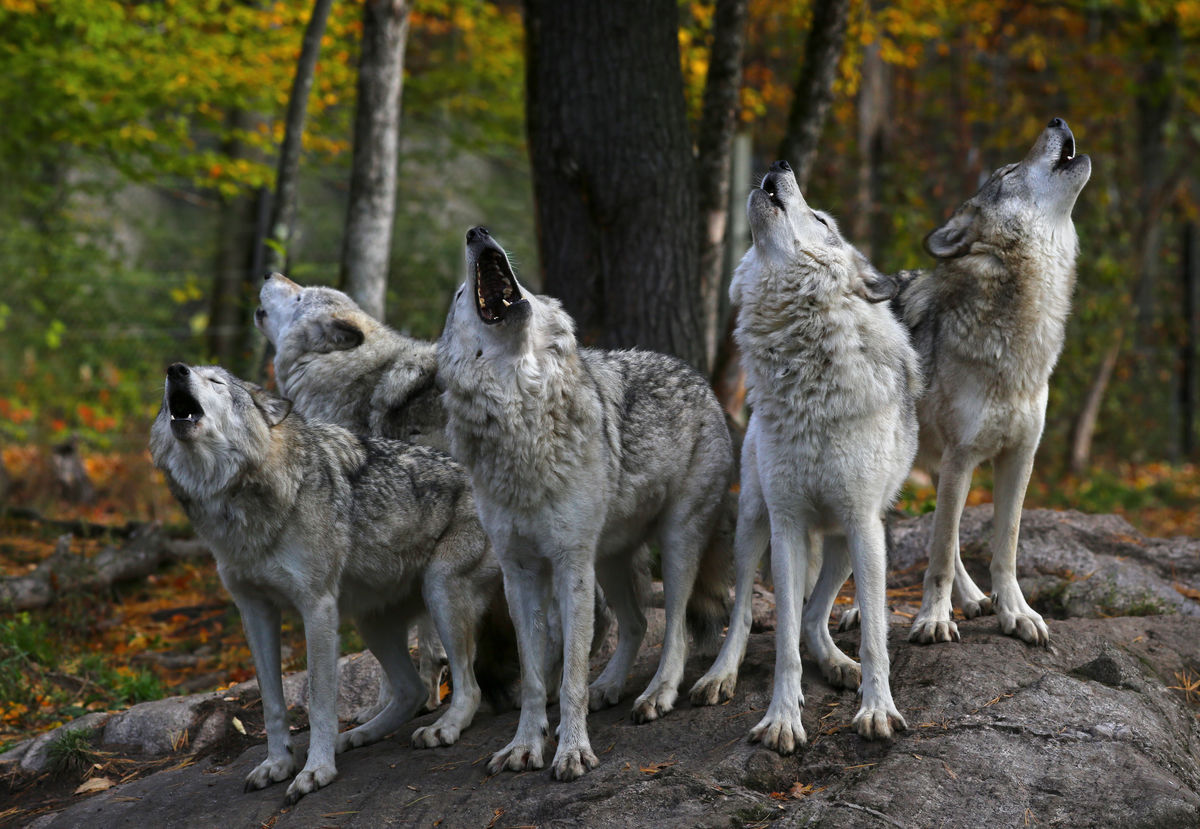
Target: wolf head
312, 320
791, 237
1019, 203
211, 426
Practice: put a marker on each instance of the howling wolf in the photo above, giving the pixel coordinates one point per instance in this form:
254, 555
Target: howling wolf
578, 456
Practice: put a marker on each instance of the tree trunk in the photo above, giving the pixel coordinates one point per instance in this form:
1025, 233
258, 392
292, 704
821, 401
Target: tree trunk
814, 88
367, 244
1188, 402
283, 205
1089, 414
872, 106
718, 121
229, 309
613, 175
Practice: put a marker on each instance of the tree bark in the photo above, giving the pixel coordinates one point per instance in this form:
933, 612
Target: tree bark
366, 246
283, 205
718, 122
872, 106
613, 174
1189, 267
814, 88
1089, 414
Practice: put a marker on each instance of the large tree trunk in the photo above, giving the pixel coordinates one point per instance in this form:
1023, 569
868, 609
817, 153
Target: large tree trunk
718, 121
366, 246
613, 174
283, 206
866, 229
814, 88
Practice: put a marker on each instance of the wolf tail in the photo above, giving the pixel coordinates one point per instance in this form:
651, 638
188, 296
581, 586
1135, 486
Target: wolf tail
708, 607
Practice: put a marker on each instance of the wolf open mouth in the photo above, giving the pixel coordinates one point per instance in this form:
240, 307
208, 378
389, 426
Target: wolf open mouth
1066, 153
771, 187
185, 409
495, 287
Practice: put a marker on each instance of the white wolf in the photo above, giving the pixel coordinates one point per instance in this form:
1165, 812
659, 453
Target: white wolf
989, 322
833, 382
578, 456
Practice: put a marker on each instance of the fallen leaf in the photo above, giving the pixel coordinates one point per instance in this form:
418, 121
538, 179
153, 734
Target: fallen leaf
95, 784
238, 727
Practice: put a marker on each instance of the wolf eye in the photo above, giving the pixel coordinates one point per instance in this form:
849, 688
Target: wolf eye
820, 219
460, 290
215, 381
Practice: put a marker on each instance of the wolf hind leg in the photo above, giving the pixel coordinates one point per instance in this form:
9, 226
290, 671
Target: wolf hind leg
405, 692
933, 622
620, 583
839, 669
967, 595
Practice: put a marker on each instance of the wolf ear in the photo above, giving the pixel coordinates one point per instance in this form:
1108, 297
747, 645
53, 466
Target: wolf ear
336, 335
873, 286
955, 237
274, 409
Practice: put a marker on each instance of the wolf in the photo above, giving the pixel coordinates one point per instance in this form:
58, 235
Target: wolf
989, 322
833, 382
337, 363
306, 515
578, 456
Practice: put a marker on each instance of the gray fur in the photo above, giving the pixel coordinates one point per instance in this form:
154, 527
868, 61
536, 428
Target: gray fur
989, 323
339, 364
833, 382
578, 457
306, 515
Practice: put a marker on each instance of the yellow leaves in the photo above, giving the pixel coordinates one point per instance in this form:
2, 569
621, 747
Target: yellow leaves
93, 785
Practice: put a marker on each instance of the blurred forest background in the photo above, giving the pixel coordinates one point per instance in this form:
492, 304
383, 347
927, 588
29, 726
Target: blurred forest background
158, 155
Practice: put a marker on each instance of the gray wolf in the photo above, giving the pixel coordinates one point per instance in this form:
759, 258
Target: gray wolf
337, 363
988, 322
578, 456
833, 382
306, 515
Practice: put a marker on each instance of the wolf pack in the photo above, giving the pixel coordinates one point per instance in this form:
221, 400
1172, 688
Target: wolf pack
504, 489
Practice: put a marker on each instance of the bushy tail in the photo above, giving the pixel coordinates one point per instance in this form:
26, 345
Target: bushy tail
708, 607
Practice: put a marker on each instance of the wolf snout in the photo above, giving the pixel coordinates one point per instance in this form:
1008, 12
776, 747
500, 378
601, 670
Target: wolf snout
477, 233
1057, 124
781, 166
178, 371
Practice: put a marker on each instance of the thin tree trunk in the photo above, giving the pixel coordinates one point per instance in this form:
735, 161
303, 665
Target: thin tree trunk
814, 88
283, 205
718, 121
1189, 268
865, 228
366, 247
1089, 414
613, 174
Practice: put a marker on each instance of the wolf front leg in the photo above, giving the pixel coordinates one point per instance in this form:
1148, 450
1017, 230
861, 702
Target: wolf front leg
877, 717
781, 729
260, 620
574, 585
526, 593
1013, 468
933, 622
321, 634
751, 537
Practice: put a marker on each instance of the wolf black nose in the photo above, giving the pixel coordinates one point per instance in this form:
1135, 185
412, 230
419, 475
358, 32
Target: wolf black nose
781, 167
476, 233
1057, 123
267, 276
177, 371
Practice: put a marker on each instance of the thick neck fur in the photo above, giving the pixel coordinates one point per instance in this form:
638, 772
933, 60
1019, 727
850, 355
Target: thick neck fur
1002, 305
516, 419
812, 348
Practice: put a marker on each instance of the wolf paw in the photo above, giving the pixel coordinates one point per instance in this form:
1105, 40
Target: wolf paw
842, 672
929, 631
573, 763
783, 734
603, 695
973, 608
1025, 624
353, 738
432, 736
309, 781
517, 756
849, 618
270, 771
654, 704
879, 723
711, 689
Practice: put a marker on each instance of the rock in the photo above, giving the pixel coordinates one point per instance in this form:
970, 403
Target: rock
36, 755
